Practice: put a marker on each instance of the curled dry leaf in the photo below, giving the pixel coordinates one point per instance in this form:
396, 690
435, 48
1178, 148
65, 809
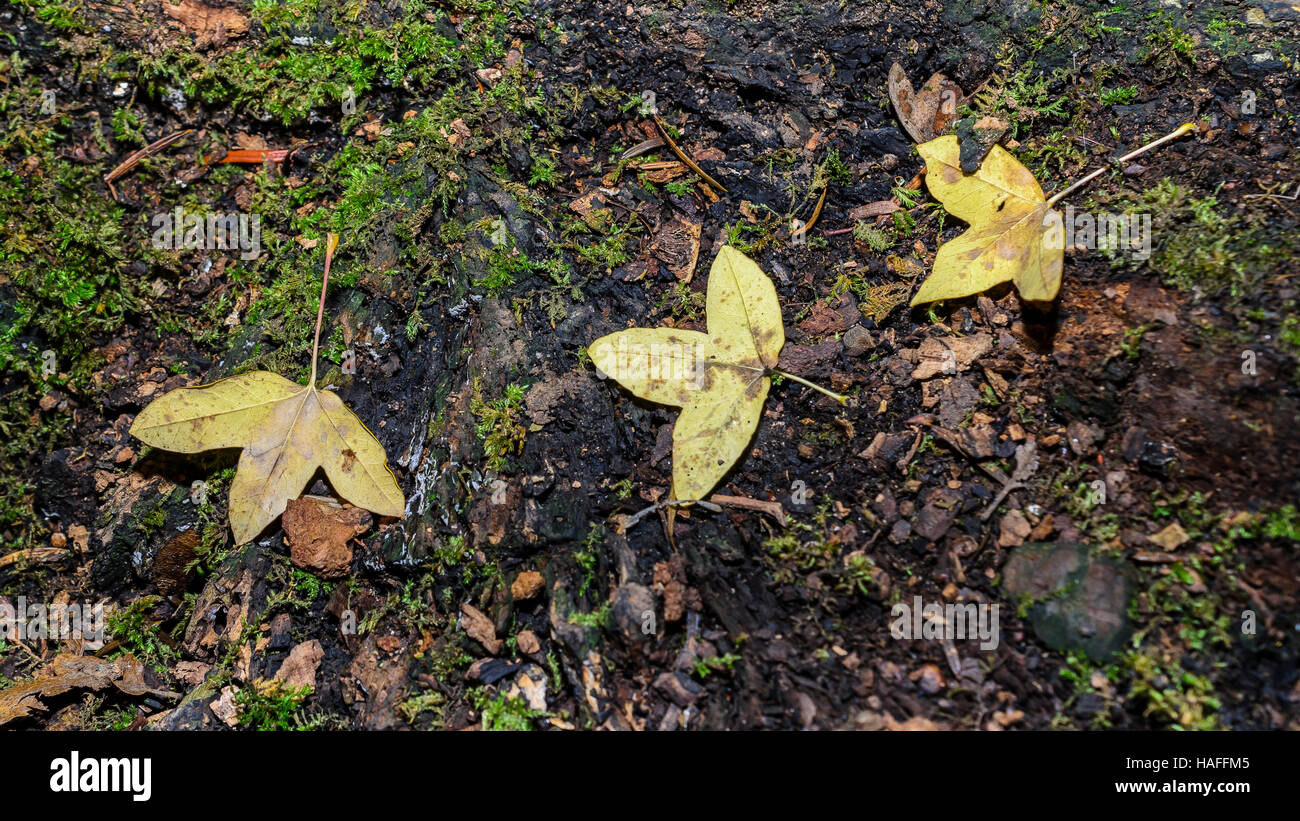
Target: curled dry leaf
207, 21
35, 554
286, 431
719, 379
319, 532
925, 113
677, 246
68, 672
1015, 235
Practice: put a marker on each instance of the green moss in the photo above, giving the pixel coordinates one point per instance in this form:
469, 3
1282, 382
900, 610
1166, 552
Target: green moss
1283, 523
607, 252
1200, 249
544, 171
139, 636
451, 553
1168, 692
271, 708
804, 547
599, 619
860, 574
705, 667
281, 79
63, 254
683, 302
504, 713
1022, 99
499, 424
836, 170
61, 15
588, 558
430, 702
504, 267
297, 589
871, 236
1119, 96
1227, 37
1289, 335
1167, 46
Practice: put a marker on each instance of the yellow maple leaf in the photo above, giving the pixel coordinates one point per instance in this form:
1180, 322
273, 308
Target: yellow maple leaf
286, 431
1015, 235
719, 379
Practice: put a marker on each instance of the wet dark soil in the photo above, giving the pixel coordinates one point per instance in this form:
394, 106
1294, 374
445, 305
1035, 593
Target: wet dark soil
1132, 381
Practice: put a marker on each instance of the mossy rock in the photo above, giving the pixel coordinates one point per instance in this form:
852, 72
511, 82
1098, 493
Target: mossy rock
1079, 600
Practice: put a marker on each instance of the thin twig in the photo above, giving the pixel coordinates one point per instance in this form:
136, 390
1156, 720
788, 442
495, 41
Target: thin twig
331, 242
134, 160
681, 155
817, 212
254, 156
843, 400
630, 521
772, 509
1185, 128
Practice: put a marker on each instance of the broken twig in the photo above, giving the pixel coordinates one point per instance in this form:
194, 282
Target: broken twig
134, 160
681, 155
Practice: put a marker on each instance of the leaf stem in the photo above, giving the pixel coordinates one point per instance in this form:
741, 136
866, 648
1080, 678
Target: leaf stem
331, 242
1173, 135
843, 400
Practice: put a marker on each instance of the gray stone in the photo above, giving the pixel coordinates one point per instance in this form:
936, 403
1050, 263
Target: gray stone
1080, 600
857, 341
631, 604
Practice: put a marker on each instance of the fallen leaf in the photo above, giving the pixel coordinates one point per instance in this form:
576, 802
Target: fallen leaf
949, 355
480, 628
531, 687
319, 532
677, 245
224, 707
1171, 538
68, 672
661, 172
719, 379
299, 669
1014, 529
1015, 236
250, 142
874, 209
40, 555
528, 642
191, 672
527, 585
80, 536
171, 567
209, 22
286, 431
928, 112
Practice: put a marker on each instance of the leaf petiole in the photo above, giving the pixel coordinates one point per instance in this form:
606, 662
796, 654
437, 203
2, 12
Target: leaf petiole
1185, 128
843, 400
331, 243
630, 521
